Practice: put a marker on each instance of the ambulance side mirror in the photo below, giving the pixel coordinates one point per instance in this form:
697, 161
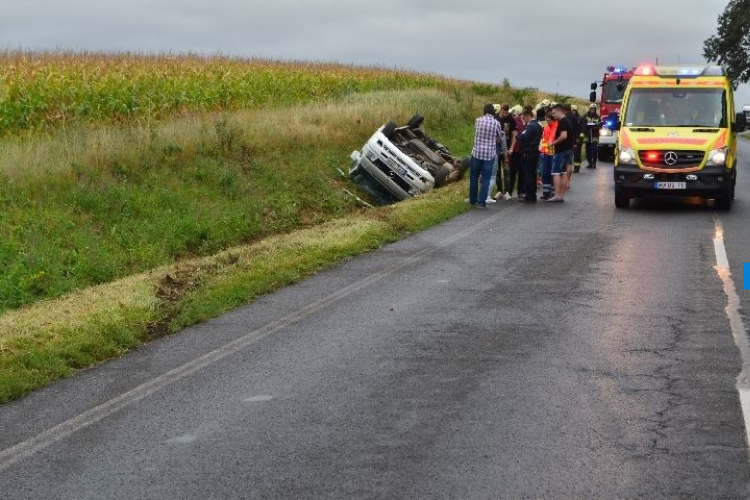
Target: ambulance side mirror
592, 97
613, 121
741, 124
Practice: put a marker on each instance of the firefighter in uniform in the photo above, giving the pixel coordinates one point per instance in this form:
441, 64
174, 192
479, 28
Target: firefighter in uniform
591, 135
576, 122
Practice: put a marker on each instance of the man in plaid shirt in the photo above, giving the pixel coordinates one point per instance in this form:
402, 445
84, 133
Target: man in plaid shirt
487, 133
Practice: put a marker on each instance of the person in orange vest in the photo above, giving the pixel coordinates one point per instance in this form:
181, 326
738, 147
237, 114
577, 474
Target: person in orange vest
546, 152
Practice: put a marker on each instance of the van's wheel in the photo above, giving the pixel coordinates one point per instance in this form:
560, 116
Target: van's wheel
416, 121
389, 129
442, 174
621, 201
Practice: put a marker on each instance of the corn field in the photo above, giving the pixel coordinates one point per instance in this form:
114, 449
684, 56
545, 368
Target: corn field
47, 90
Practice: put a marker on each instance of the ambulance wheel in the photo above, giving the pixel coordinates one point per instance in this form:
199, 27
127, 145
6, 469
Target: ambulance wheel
621, 201
725, 202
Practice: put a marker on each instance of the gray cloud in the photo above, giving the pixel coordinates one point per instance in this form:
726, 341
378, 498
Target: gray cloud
556, 46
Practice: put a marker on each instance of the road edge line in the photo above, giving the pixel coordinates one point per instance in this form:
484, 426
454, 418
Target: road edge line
737, 324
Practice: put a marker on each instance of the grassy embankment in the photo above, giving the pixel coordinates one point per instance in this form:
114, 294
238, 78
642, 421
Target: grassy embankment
117, 226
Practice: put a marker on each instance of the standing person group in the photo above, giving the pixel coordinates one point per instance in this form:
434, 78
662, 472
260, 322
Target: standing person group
512, 146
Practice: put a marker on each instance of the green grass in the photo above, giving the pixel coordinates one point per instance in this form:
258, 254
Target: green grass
120, 201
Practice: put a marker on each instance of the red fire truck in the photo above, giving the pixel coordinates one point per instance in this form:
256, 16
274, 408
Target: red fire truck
613, 89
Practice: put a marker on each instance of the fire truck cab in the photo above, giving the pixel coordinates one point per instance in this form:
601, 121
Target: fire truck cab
613, 89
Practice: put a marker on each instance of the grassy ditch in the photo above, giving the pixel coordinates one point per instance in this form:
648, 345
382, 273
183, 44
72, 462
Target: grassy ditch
88, 207
54, 338
114, 236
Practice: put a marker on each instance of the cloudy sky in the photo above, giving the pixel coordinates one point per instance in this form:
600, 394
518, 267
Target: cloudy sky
553, 45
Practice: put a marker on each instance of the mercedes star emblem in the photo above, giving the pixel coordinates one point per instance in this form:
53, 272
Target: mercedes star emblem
671, 158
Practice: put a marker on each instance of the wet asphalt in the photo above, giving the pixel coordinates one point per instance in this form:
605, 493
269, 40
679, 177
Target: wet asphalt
526, 351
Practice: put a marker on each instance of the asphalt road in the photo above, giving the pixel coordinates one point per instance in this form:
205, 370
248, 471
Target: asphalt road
564, 351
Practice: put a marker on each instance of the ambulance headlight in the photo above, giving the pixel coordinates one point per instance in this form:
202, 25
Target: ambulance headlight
605, 132
627, 156
717, 156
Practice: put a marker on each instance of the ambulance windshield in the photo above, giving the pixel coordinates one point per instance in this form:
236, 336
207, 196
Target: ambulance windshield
676, 107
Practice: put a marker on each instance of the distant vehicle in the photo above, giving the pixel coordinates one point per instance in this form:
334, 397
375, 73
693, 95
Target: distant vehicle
613, 89
746, 109
678, 135
405, 161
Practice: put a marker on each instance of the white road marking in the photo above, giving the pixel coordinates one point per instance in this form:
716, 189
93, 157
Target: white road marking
24, 449
739, 330
184, 439
258, 399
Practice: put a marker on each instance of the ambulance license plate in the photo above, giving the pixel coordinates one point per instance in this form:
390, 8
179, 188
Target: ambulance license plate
670, 185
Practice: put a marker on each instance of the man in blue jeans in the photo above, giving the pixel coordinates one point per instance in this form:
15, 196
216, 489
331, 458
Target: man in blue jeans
486, 134
563, 145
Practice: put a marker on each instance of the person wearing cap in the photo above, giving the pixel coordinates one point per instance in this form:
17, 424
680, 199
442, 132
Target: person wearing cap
591, 135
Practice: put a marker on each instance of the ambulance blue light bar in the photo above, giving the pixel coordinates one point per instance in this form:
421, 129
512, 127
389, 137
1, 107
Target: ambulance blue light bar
680, 71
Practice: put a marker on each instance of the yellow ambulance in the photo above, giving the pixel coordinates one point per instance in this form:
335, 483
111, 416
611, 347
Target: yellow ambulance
678, 135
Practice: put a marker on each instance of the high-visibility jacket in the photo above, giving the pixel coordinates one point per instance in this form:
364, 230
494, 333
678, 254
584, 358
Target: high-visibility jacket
548, 136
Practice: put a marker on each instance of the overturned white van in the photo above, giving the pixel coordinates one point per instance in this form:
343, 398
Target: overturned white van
405, 161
